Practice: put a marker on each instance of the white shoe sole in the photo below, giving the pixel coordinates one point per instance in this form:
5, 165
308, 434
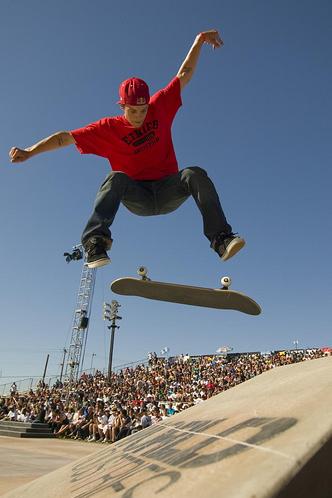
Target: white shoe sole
232, 248
99, 263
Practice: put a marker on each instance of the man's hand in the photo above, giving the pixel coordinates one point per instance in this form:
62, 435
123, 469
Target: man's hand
17, 155
212, 38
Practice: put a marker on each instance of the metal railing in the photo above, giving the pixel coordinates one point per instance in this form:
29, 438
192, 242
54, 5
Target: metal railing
25, 385
31, 383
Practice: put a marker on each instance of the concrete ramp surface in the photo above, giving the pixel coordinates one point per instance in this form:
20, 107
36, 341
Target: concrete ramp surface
268, 437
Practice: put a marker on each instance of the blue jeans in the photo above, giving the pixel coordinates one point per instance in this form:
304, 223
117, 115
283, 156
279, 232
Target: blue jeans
153, 197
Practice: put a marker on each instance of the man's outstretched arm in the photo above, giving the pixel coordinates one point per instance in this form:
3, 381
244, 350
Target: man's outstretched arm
189, 64
55, 141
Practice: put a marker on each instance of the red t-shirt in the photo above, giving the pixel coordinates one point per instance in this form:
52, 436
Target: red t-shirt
144, 153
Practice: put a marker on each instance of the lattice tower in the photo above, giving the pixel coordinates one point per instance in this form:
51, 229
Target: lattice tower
80, 325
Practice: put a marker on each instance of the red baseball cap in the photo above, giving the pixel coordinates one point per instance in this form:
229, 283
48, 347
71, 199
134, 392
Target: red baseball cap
134, 91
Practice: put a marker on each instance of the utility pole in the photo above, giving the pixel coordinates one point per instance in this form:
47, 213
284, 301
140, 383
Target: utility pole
111, 314
63, 362
44, 374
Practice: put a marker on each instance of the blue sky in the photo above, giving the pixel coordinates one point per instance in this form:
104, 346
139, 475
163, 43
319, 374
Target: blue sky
256, 116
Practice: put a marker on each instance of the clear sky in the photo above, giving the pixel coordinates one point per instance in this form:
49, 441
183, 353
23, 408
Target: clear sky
256, 116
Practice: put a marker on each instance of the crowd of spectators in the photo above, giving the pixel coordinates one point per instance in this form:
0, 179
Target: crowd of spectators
96, 409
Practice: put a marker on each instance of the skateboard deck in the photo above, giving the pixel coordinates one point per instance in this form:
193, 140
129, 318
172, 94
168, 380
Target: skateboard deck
186, 294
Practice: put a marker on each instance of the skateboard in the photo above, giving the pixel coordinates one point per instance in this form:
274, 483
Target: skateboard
222, 298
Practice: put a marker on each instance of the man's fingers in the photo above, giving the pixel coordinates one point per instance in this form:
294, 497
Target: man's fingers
213, 38
13, 152
16, 152
16, 155
219, 41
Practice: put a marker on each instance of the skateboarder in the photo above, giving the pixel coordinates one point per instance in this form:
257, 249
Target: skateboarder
145, 176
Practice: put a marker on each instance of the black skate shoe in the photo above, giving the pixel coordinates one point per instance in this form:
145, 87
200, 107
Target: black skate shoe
96, 254
227, 245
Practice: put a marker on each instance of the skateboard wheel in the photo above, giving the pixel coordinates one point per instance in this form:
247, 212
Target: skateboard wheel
142, 271
226, 282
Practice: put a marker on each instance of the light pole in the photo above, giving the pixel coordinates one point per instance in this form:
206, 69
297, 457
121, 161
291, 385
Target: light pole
92, 356
111, 314
296, 344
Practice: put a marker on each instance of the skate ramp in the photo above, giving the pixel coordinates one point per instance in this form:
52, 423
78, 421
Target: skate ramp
268, 437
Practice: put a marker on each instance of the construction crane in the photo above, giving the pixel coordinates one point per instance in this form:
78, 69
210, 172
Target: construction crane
80, 325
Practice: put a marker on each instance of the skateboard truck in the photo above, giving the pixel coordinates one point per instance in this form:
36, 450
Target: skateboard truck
225, 282
142, 271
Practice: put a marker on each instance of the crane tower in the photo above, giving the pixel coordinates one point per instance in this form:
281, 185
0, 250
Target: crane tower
80, 324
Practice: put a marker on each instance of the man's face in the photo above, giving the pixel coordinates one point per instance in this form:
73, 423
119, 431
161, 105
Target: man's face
135, 114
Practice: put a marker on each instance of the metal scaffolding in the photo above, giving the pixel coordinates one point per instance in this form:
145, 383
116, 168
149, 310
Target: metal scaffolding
80, 325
